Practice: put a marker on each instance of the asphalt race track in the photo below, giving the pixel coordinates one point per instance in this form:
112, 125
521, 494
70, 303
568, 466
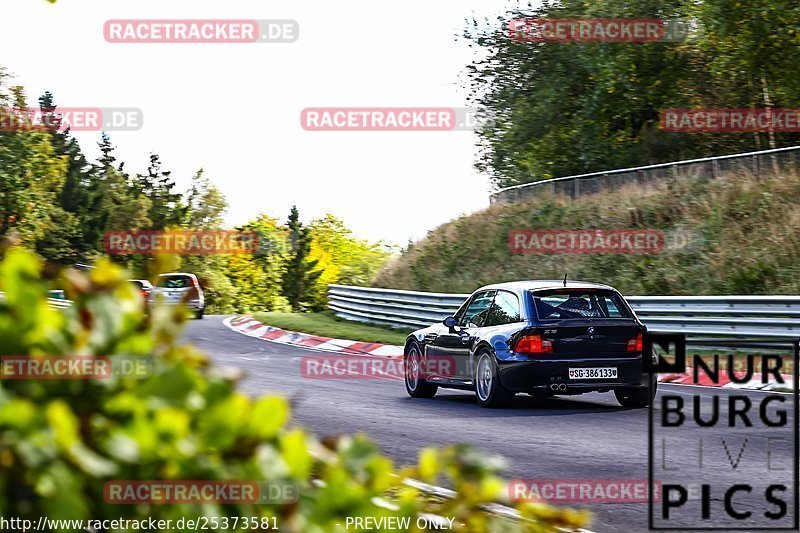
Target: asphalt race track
586, 437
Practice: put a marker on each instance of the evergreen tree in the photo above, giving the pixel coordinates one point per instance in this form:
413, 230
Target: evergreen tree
165, 205
300, 275
124, 200
79, 196
107, 159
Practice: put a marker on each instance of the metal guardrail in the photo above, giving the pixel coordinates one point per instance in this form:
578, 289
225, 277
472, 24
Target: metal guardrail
55, 303
757, 163
738, 316
392, 307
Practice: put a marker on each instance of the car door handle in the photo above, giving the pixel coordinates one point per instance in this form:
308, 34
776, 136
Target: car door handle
466, 339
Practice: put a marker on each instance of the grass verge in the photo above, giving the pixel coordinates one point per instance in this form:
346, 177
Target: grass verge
327, 325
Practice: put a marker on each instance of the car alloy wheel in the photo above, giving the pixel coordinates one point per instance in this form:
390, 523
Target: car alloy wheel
484, 377
488, 388
416, 385
413, 369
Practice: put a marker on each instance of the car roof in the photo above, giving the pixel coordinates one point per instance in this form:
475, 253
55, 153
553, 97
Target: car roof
176, 274
535, 285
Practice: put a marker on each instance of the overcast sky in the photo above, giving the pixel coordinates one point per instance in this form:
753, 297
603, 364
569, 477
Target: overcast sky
234, 109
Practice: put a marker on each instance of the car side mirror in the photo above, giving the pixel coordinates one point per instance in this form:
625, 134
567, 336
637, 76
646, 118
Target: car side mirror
450, 322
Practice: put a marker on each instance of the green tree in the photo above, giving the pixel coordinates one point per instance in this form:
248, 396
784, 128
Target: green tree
301, 274
203, 208
558, 108
107, 157
32, 175
749, 50
158, 186
81, 194
204, 204
258, 277
341, 257
123, 200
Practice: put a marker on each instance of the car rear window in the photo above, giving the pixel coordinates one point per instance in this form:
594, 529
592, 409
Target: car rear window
580, 303
175, 282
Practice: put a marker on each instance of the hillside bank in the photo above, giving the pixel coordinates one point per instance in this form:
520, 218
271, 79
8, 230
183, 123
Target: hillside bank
736, 234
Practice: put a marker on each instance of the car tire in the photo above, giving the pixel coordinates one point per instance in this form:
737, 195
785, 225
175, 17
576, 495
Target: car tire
199, 314
414, 377
636, 398
488, 389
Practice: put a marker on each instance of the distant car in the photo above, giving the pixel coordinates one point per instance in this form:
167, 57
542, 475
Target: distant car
144, 287
539, 337
179, 288
56, 294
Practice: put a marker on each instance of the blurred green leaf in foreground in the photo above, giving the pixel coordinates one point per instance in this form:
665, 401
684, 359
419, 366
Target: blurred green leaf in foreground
62, 440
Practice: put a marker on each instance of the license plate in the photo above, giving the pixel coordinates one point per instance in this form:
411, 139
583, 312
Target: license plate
593, 373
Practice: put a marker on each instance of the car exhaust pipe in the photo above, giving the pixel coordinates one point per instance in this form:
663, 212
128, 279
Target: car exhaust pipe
554, 386
562, 386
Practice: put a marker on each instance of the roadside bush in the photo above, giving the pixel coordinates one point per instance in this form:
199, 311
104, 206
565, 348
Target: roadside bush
62, 440
220, 294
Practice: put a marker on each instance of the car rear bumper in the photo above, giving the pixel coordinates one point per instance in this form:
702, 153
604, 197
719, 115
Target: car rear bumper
532, 376
194, 306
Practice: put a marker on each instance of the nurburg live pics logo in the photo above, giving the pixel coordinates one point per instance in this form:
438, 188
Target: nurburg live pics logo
725, 460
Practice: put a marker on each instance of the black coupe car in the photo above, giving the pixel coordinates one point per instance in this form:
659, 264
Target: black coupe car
539, 337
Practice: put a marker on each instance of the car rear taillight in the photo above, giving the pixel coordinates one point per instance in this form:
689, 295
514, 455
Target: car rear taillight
533, 344
635, 345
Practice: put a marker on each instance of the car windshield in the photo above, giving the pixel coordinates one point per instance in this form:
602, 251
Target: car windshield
580, 303
175, 282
